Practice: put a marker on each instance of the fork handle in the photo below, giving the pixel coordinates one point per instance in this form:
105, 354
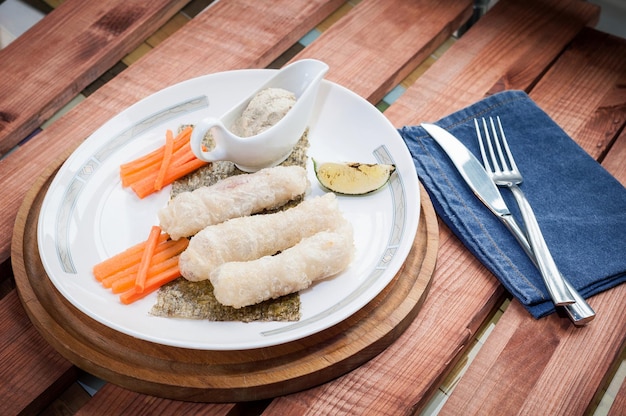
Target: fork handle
555, 283
580, 312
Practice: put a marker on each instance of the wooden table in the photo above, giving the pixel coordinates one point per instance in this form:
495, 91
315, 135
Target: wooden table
547, 48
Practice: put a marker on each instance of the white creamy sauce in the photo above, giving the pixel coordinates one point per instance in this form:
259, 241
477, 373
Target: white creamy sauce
265, 109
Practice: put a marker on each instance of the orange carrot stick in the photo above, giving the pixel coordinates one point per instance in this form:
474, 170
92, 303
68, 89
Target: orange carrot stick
167, 159
154, 158
146, 257
145, 186
180, 156
156, 155
149, 162
152, 284
162, 252
122, 260
128, 282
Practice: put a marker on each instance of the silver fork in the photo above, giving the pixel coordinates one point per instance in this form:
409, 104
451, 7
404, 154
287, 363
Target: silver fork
504, 172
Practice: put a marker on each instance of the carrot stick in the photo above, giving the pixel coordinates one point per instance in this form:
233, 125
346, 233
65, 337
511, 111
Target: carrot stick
122, 260
152, 284
153, 158
145, 186
180, 156
162, 252
167, 159
149, 162
128, 282
146, 257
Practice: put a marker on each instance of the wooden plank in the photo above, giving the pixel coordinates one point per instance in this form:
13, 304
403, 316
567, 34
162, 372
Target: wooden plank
594, 70
195, 50
377, 44
113, 400
33, 373
591, 109
64, 52
542, 353
509, 48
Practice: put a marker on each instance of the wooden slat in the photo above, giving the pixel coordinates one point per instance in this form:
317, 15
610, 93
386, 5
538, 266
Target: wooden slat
113, 400
592, 109
33, 373
377, 44
463, 293
64, 52
196, 50
520, 368
509, 48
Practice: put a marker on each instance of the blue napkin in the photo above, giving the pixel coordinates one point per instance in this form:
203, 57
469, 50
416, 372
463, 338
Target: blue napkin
580, 207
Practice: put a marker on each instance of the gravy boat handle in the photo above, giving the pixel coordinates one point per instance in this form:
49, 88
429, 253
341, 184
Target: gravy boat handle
200, 130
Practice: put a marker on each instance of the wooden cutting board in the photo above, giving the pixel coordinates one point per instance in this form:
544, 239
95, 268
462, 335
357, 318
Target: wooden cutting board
217, 376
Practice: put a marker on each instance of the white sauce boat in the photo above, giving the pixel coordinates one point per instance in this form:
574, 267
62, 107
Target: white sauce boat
273, 145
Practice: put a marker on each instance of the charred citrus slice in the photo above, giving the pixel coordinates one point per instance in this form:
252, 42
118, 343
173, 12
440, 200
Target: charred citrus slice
352, 178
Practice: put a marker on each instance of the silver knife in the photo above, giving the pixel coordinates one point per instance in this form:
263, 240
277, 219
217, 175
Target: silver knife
474, 174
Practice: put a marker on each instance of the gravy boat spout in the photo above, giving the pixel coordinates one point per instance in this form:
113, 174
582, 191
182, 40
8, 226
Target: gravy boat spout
273, 145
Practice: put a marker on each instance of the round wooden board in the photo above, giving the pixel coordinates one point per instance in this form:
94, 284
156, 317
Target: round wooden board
218, 376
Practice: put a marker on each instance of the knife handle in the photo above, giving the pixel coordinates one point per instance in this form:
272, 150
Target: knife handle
580, 312
552, 277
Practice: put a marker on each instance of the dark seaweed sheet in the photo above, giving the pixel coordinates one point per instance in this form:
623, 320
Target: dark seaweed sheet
195, 300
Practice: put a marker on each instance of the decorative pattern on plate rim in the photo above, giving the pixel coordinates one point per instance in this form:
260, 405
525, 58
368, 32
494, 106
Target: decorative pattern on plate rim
91, 165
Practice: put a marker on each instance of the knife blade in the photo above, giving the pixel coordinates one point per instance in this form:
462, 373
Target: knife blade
476, 177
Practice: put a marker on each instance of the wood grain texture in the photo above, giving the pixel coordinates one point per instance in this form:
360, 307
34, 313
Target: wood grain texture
509, 48
378, 43
219, 376
115, 400
195, 50
593, 107
25, 352
542, 350
64, 52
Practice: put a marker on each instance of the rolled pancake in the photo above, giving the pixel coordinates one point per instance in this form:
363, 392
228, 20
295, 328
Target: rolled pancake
249, 238
236, 196
324, 254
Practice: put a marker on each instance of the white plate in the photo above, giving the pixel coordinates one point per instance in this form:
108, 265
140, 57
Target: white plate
87, 216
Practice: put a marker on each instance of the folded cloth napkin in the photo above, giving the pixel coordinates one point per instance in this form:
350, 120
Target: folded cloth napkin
580, 207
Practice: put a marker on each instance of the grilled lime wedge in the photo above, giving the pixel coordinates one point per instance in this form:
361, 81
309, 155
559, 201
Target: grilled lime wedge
352, 178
